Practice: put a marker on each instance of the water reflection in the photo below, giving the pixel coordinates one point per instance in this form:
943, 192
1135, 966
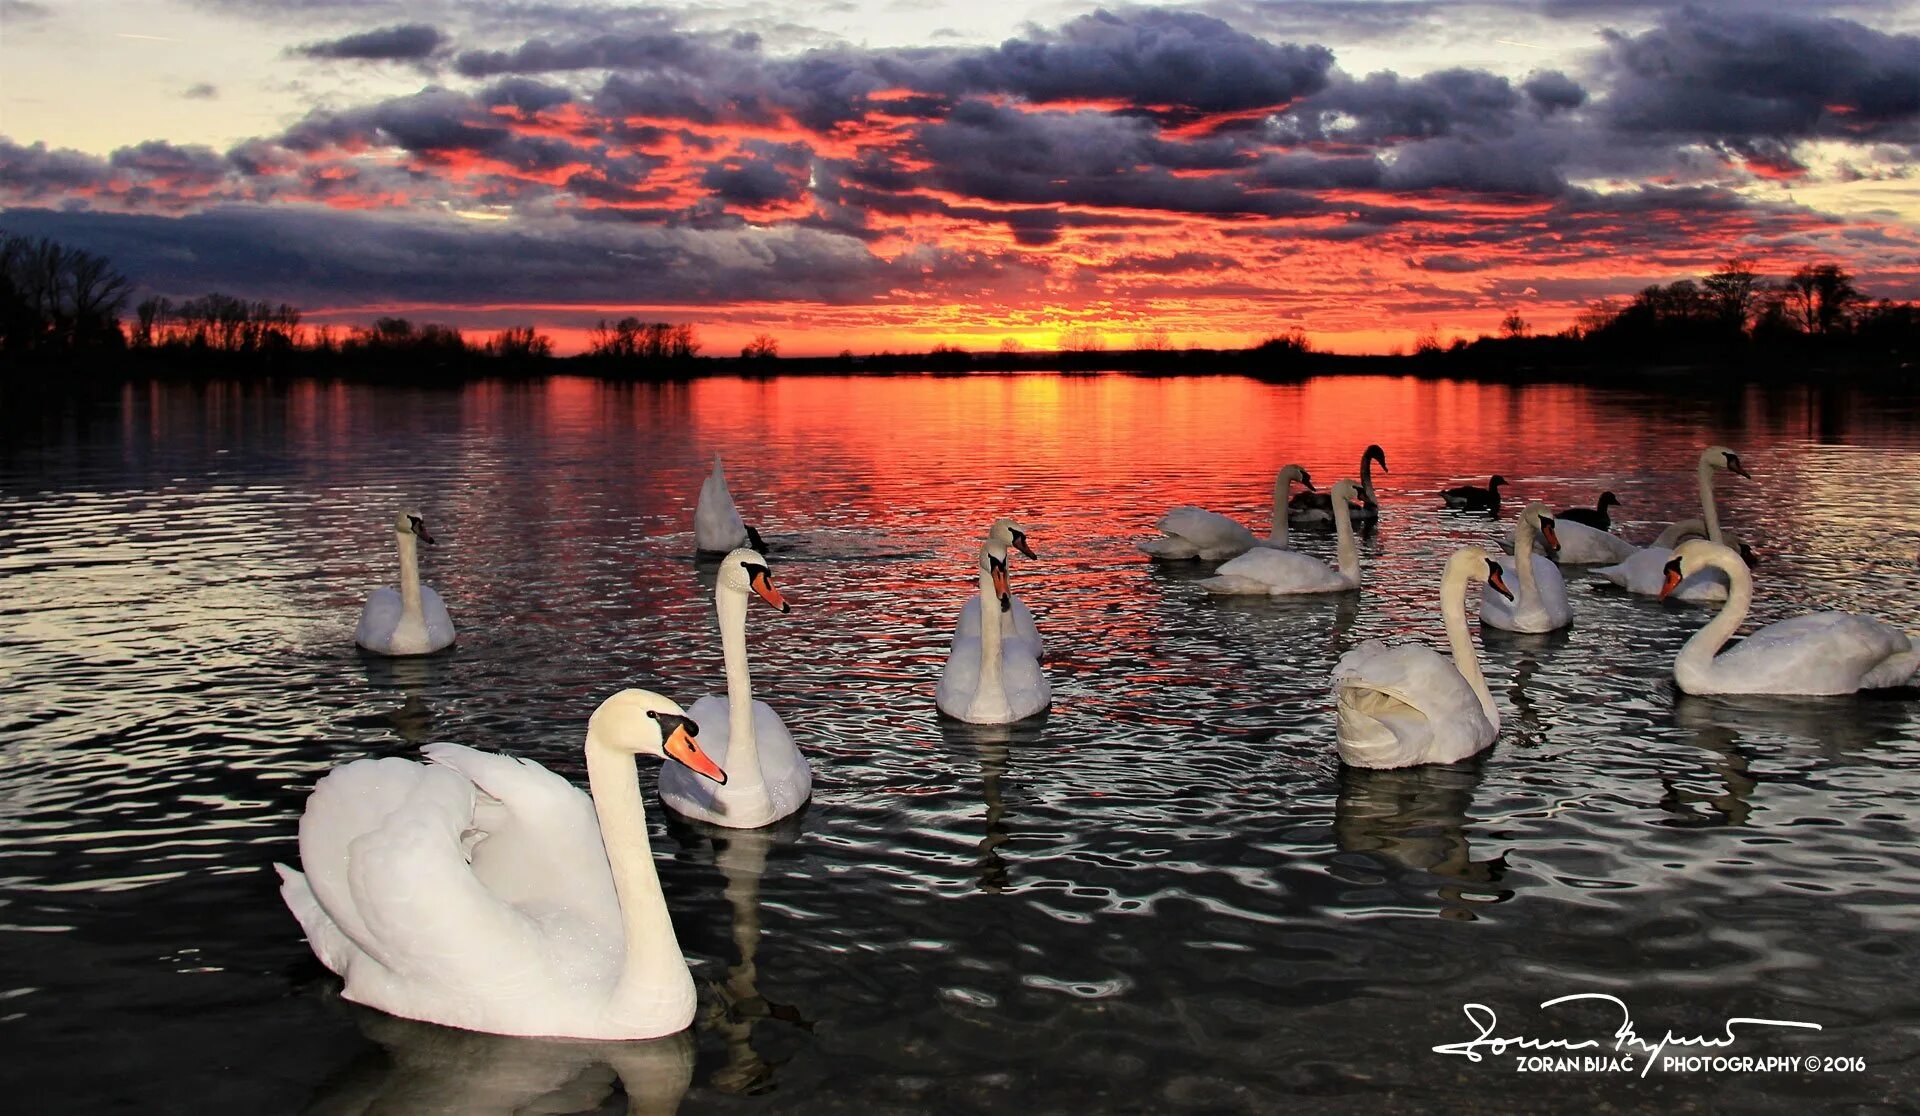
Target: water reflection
420, 1069
412, 720
736, 1006
993, 746
1416, 818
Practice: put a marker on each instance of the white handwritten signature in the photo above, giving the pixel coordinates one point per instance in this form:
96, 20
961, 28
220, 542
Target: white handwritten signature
1624, 1036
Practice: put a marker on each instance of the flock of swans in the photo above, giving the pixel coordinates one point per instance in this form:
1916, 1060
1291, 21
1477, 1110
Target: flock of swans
485, 892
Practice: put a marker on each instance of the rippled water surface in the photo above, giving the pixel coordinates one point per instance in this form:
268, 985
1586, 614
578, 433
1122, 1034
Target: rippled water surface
1165, 895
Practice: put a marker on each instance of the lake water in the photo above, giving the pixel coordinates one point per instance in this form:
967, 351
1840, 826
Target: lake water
1166, 896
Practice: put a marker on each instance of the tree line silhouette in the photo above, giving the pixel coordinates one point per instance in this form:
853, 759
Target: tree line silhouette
62, 306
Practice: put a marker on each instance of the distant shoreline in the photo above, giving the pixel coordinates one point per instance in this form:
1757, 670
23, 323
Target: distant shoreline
1526, 360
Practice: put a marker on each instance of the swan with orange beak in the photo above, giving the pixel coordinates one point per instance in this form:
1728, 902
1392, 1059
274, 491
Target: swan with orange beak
1016, 620
991, 678
1539, 601
768, 776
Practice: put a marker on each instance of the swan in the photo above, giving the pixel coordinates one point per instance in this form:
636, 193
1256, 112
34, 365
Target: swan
1473, 498
485, 892
768, 777
1595, 516
1539, 600
989, 680
717, 527
413, 621
1016, 620
1198, 533
1819, 653
1396, 706
1277, 572
1308, 509
1643, 571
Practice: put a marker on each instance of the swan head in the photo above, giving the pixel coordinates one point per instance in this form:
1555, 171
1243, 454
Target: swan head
1720, 457
1007, 533
1541, 517
1291, 473
410, 523
745, 571
1347, 490
1498, 480
1475, 564
643, 723
1376, 455
1608, 500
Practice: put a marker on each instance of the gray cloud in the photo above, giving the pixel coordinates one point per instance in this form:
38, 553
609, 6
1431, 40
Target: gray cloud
407, 42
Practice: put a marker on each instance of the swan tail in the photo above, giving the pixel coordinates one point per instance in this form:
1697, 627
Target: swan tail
1170, 547
330, 944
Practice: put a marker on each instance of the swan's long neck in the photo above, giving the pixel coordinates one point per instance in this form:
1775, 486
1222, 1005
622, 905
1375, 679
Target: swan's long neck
1706, 502
1347, 553
653, 965
1466, 659
410, 575
1366, 479
1278, 536
991, 692
1699, 652
743, 747
1523, 557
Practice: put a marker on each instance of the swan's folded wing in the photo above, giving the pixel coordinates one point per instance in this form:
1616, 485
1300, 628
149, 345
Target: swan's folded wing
1205, 528
534, 840
1581, 545
1272, 571
1823, 652
350, 801
379, 618
715, 519
1404, 704
430, 919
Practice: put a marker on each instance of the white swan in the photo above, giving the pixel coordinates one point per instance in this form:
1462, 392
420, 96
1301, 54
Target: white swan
485, 892
414, 620
1277, 572
989, 680
1198, 533
1586, 536
1643, 572
767, 775
1312, 509
1819, 653
717, 526
1396, 706
1016, 619
1539, 600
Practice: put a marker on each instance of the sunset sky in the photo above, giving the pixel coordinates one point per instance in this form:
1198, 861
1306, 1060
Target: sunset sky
887, 174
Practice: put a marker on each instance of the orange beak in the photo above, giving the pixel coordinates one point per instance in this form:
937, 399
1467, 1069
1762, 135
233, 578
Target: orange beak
1552, 536
1497, 578
683, 748
762, 583
1673, 579
1000, 583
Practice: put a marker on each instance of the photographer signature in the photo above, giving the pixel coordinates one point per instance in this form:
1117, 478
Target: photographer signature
1624, 1036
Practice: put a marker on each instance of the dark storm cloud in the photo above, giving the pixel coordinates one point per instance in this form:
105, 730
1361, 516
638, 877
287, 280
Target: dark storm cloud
34, 172
665, 49
1147, 57
1757, 73
316, 257
763, 174
407, 42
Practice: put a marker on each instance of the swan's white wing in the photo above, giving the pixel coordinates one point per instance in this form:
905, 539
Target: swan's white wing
350, 801
1213, 535
716, 522
1646, 571
535, 838
453, 948
1265, 570
439, 621
1400, 705
1027, 688
1819, 653
379, 618
1581, 545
